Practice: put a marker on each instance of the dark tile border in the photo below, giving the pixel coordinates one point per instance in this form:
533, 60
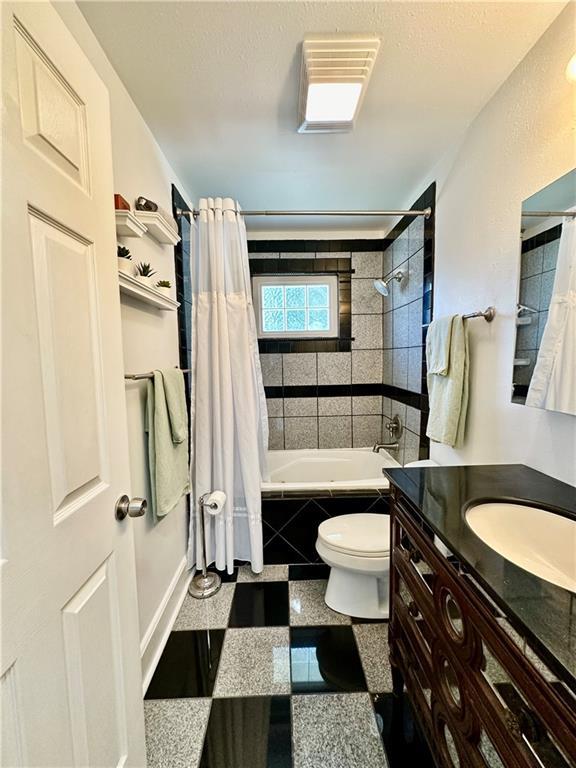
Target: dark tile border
554, 233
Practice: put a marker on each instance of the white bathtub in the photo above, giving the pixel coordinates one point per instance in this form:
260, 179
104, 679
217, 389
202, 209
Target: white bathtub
327, 469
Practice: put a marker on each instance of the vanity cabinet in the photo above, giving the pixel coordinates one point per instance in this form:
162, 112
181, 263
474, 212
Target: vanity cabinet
481, 696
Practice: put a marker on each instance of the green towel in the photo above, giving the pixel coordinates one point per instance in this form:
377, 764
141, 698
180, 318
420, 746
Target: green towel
448, 393
167, 426
438, 345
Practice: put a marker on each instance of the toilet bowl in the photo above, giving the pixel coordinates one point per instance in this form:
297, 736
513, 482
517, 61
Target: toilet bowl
357, 549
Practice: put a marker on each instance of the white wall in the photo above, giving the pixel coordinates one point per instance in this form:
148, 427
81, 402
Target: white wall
150, 340
521, 141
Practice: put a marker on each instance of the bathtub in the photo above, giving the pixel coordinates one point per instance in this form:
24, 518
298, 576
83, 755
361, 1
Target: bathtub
327, 469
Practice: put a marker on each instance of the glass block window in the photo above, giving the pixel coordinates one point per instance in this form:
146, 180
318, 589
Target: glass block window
289, 306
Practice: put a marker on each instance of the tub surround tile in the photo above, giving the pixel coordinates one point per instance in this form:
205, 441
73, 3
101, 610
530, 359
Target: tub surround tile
300, 406
367, 332
276, 434
414, 374
301, 529
308, 608
335, 432
367, 431
531, 262
271, 370
206, 614
266, 743
550, 255
278, 550
325, 660
400, 249
412, 420
364, 406
388, 330
415, 323
269, 573
416, 275
275, 407
301, 432
372, 641
299, 369
260, 605
336, 731
387, 261
367, 264
365, 298
546, 289
254, 662
400, 368
530, 291
367, 366
415, 235
387, 366
175, 731
334, 406
188, 665
334, 368
401, 326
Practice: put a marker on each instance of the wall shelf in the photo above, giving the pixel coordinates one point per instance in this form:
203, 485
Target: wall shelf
521, 362
127, 225
158, 227
130, 286
524, 320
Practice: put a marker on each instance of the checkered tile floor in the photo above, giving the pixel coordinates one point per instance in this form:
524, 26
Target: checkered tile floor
264, 675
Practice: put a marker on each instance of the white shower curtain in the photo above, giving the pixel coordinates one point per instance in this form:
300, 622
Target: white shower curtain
553, 383
229, 423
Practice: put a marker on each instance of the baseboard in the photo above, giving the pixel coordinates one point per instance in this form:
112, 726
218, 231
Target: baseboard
156, 636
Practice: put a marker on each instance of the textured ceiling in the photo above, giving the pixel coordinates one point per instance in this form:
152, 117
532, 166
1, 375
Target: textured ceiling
217, 82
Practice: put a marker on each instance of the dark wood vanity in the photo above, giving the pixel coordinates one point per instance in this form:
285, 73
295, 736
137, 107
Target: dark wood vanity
485, 650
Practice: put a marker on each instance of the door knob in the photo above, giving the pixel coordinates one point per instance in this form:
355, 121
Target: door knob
126, 507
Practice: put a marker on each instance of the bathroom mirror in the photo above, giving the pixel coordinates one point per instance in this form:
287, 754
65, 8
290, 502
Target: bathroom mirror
544, 371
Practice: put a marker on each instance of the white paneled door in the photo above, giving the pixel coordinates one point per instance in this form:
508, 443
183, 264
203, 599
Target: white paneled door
70, 675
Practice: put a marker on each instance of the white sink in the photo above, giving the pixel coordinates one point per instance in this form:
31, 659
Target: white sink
538, 541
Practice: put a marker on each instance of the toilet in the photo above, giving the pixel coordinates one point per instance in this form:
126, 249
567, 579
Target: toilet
357, 549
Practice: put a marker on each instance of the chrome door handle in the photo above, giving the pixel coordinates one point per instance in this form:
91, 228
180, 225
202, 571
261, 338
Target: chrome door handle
126, 507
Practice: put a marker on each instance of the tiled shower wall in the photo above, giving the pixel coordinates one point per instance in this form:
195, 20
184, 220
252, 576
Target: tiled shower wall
537, 272
320, 399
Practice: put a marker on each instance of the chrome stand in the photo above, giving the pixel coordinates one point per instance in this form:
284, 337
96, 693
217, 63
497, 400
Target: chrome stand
204, 584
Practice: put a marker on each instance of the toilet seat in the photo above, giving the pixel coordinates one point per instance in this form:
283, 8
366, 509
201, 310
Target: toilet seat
363, 535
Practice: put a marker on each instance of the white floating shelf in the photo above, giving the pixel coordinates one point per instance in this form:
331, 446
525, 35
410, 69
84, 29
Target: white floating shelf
127, 225
158, 227
131, 286
525, 320
521, 362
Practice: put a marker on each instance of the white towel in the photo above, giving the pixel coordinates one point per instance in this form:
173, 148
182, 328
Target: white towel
438, 345
448, 393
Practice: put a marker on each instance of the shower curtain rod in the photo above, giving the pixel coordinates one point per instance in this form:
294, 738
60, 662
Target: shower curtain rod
426, 212
548, 214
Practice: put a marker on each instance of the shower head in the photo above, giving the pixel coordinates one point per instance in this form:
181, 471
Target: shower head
383, 287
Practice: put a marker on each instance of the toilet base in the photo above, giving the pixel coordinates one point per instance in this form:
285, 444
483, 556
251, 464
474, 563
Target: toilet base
360, 595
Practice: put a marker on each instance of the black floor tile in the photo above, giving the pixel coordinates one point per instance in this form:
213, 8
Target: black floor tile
224, 575
309, 571
403, 740
260, 605
188, 665
359, 620
325, 660
243, 733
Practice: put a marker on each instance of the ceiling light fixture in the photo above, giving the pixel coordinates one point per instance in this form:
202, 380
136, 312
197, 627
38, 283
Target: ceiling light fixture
333, 80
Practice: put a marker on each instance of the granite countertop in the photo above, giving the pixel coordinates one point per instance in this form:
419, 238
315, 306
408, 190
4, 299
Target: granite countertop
540, 611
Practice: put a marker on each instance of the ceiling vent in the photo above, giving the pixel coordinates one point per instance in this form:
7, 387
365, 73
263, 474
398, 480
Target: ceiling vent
333, 80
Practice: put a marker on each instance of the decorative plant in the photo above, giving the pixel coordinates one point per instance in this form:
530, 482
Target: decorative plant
163, 284
144, 269
123, 253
